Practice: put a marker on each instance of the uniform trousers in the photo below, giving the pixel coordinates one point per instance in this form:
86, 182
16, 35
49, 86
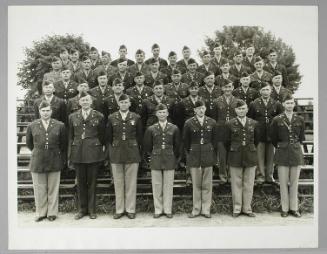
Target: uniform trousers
289, 194
125, 178
242, 181
202, 189
222, 156
265, 152
86, 176
46, 193
162, 188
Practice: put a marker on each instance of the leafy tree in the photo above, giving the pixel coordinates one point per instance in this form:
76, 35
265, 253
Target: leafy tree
237, 37
37, 61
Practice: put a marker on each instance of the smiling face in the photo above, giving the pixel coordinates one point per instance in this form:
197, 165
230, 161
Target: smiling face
158, 90
156, 52
218, 50
265, 91
194, 90
277, 80
94, 55
74, 56
172, 59
85, 102
250, 51
122, 53
176, 78
106, 59
162, 115
83, 87
259, 65
139, 58
45, 113
103, 80
64, 55
48, 90
227, 89
225, 68
118, 88
192, 67
242, 111
122, 67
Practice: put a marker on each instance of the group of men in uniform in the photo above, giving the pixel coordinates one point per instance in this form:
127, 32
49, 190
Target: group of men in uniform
169, 114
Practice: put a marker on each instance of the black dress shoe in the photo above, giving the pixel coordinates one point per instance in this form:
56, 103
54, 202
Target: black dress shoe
79, 216
235, 215
157, 215
38, 219
284, 214
250, 214
118, 215
169, 215
191, 215
295, 213
93, 216
52, 218
207, 215
131, 215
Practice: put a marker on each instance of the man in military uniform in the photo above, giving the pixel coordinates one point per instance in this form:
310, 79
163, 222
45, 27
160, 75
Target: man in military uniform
209, 92
287, 135
138, 93
124, 138
192, 74
272, 66
149, 105
155, 74
101, 91
111, 103
225, 74
65, 88
245, 92
105, 65
217, 58
122, 56
58, 106
139, 66
156, 52
74, 65
176, 90
263, 110
238, 67
224, 107
249, 57
278, 91
260, 75
86, 153
64, 56
46, 138
199, 137
86, 74
162, 141
207, 65
54, 75
241, 141
172, 59
95, 58
183, 63
122, 74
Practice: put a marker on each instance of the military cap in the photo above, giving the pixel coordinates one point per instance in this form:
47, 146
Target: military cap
65, 68
73, 50
193, 84
249, 45
138, 74
204, 53
223, 61
276, 73
240, 103
153, 61
272, 50
237, 52
103, 53
102, 73
257, 59
288, 97
117, 81
185, 48
55, 59
63, 49
122, 47
47, 83
161, 106
172, 53
207, 74
175, 72
139, 51
216, 45
84, 58
226, 82
93, 49
157, 83
244, 74
83, 94
198, 103
120, 60
155, 46
191, 61
83, 82
44, 104
263, 84
123, 97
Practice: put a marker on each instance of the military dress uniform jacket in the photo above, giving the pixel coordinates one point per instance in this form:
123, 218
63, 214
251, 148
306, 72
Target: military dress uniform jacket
90, 78
162, 62
182, 66
133, 69
95, 64
220, 79
287, 136
149, 79
283, 92
65, 92
197, 77
256, 80
73, 105
48, 146
176, 93
128, 79
137, 97
86, 137
200, 142
129, 62
279, 67
250, 95
124, 138
169, 71
100, 97
209, 98
218, 63
263, 115
163, 145
249, 63
75, 67
238, 72
58, 108
241, 142
211, 67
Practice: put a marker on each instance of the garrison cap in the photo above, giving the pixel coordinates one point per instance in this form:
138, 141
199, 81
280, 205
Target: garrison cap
73, 50
157, 83
172, 53
226, 82
191, 61
63, 49
257, 59
83, 94
83, 82
205, 53
139, 51
120, 60
185, 48
153, 61
208, 73
223, 62
44, 104
93, 49
155, 46
288, 97
102, 73
276, 73
193, 84
175, 72
84, 58
55, 59
240, 103
161, 107
237, 52
138, 74
244, 74
272, 50
117, 81
263, 84
249, 45
198, 103
47, 83
123, 97
103, 53
65, 68
122, 47
216, 45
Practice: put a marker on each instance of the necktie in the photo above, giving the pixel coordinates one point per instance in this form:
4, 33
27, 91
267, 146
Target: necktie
46, 124
85, 115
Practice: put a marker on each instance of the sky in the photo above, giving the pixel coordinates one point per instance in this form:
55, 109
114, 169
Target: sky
172, 27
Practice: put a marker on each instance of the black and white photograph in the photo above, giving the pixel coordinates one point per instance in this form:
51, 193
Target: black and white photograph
162, 127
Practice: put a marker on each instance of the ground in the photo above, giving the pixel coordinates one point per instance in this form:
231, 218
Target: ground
26, 219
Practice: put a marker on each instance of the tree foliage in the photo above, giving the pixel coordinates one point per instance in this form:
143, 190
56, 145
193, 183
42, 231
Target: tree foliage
37, 61
237, 37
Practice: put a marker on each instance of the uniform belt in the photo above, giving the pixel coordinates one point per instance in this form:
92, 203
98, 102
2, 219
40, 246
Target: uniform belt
201, 143
46, 146
158, 147
121, 139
